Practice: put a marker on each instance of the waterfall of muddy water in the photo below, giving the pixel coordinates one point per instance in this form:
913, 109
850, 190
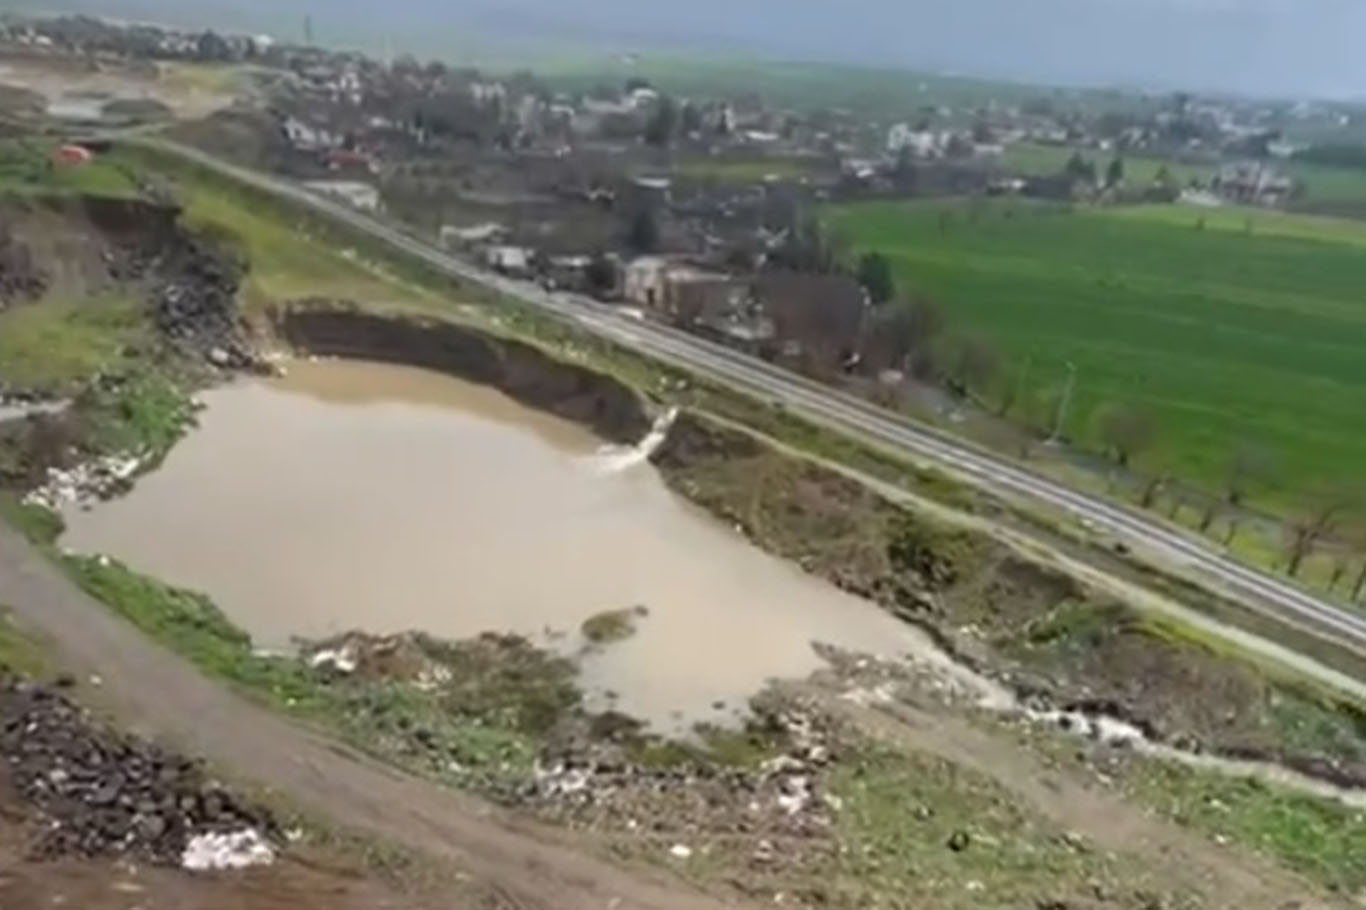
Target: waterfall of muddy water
356, 495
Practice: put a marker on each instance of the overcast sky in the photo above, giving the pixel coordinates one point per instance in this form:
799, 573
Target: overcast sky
1282, 47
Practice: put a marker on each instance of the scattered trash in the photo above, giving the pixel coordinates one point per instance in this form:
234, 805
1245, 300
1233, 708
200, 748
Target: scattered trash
234, 850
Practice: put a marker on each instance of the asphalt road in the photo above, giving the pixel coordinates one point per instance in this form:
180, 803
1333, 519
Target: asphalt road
838, 410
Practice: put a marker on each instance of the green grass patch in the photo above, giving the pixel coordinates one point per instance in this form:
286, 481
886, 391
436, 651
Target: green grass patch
292, 254
27, 166
40, 525
19, 651
1230, 326
1317, 837
145, 410
1038, 160
56, 345
471, 730
921, 831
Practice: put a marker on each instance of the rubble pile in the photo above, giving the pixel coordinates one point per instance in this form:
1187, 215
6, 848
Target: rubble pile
100, 793
86, 483
196, 308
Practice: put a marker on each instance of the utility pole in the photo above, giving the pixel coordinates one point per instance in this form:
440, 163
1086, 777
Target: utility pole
1064, 404
308, 30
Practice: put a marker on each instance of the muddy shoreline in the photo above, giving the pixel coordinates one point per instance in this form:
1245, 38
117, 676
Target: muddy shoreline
1045, 636
521, 371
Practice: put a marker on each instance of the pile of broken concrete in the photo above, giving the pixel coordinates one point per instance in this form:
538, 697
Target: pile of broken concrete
100, 793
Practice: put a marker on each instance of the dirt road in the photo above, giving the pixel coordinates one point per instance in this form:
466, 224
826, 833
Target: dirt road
160, 695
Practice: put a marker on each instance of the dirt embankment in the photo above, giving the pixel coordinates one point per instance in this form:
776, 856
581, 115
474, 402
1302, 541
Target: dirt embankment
87, 247
114, 305
523, 372
1033, 626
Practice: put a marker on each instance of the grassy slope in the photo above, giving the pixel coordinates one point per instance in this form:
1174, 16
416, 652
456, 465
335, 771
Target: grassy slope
288, 257
26, 166
56, 344
1227, 335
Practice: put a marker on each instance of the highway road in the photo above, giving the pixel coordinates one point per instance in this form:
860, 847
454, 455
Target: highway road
847, 413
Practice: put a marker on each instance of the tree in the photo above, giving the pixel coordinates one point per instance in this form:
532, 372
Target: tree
601, 274
1114, 174
690, 119
971, 363
1250, 467
904, 172
642, 236
1126, 430
663, 123
212, 46
1080, 168
1315, 521
959, 147
875, 274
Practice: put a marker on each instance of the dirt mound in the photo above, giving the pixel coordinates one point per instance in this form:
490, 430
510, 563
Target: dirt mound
523, 372
101, 793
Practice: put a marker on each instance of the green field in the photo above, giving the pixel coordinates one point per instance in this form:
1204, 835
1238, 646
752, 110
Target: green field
746, 170
1250, 329
1035, 160
1331, 189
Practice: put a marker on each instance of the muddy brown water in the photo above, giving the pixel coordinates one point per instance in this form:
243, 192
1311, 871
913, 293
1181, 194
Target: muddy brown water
356, 495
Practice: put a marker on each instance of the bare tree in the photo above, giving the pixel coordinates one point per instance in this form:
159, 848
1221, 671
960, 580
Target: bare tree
1126, 430
971, 363
1319, 518
1250, 468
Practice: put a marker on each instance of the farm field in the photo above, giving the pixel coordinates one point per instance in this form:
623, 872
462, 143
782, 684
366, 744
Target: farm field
1329, 189
1035, 160
1248, 330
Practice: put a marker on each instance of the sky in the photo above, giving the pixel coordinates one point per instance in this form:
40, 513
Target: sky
1265, 47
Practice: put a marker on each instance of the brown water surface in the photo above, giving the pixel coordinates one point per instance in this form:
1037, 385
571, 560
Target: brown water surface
358, 495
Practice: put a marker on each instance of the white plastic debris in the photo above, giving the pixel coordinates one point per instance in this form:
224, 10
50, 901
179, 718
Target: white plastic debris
680, 851
85, 483
342, 660
232, 850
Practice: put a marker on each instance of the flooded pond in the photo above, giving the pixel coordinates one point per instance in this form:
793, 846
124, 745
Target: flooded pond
357, 495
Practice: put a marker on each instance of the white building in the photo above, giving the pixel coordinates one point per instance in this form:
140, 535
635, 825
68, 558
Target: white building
358, 195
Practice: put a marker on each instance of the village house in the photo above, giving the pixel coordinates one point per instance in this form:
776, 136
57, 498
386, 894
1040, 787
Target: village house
679, 291
509, 260
1252, 182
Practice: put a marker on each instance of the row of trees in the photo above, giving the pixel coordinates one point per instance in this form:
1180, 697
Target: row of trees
911, 331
